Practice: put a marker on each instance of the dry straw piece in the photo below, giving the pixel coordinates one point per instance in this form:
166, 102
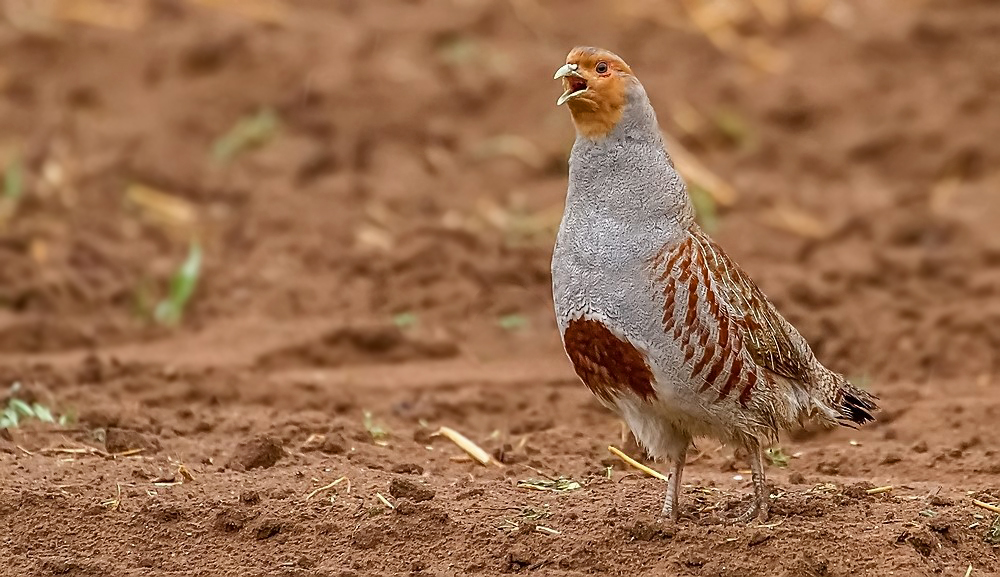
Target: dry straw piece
986, 506
385, 501
651, 472
878, 490
325, 487
474, 450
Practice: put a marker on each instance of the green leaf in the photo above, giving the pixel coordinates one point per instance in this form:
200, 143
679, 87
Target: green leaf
378, 433
13, 181
43, 413
249, 132
512, 322
170, 310
67, 418
10, 415
21, 407
404, 320
734, 126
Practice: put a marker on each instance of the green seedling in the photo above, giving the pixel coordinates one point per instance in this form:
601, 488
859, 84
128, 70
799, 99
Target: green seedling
733, 126
17, 411
404, 320
13, 189
171, 309
13, 181
993, 533
378, 433
512, 322
249, 132
458, 50
777, 457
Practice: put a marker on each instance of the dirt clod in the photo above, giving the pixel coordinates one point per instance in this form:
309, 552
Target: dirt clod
649, 529
403, 488
262, 451
121, 440
331, 444
922, 540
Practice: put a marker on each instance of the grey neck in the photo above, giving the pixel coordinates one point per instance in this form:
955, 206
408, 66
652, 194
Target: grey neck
627, 176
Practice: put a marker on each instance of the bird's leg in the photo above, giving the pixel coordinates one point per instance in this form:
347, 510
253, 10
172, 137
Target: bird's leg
761, 505
678, 457
670, 508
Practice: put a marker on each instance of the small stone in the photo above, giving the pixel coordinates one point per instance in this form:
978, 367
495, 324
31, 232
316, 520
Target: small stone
759, 537
920, 447
406, 489
267, 529
250, 497
828, 468
520, 556
423, 437
261, 452
891, 459
797, 478
939, 501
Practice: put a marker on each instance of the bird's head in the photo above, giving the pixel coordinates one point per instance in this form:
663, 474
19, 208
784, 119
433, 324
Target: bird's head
597, 84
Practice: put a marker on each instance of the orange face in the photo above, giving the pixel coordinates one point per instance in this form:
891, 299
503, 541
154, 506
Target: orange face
595, 82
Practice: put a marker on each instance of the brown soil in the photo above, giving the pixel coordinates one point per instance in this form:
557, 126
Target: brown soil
386, 252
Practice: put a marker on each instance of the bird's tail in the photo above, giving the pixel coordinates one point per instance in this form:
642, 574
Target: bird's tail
848, 405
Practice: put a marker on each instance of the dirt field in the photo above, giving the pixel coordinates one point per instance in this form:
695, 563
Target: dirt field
384, 251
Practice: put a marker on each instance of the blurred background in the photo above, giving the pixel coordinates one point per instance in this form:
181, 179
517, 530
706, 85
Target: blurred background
404, 162
329, 222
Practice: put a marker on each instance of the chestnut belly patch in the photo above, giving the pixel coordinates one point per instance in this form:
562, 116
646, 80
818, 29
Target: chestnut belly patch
608, 365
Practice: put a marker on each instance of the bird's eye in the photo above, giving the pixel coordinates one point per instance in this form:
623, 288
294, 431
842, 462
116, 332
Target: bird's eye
601, 67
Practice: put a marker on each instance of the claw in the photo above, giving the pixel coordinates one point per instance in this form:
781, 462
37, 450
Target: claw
759, 511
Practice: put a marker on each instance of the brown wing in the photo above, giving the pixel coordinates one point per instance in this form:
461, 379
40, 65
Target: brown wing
730, 333
764, 330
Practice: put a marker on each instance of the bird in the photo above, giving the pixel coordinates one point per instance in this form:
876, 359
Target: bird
662, 326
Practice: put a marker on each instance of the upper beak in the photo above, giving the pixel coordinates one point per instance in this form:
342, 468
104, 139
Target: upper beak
568, 70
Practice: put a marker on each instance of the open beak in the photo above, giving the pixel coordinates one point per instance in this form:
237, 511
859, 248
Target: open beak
575, 82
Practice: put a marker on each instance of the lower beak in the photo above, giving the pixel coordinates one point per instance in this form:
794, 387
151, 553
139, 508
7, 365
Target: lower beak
568, 70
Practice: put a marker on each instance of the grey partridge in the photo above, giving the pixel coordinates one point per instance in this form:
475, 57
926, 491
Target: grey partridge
659, 323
